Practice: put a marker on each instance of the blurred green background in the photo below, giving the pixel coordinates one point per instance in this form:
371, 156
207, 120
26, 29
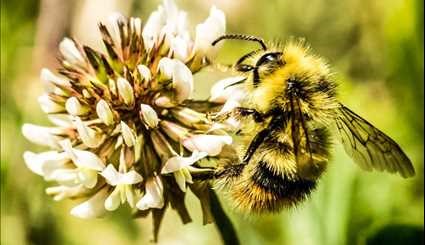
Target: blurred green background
375, 49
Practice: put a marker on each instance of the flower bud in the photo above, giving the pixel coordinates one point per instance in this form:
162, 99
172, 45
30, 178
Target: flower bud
188, 116
74, 107
145, 73
104, 112
127, 134
174, 131
112, 86
125, 91
47, 76
182, 81
149, 116
89, 136
70, 51
49, 106
166, 68
164, 102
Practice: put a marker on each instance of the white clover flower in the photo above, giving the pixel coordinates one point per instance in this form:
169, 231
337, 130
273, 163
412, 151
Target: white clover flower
61, 192
123, 191
222, 90
212, 28
87, 165
181, 167
46, 163
211, 144
129, 107
93, 207
154, 194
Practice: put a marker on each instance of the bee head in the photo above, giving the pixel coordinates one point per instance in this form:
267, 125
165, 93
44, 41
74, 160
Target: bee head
260, 62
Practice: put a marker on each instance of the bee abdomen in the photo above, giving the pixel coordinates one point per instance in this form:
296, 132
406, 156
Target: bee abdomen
266, 191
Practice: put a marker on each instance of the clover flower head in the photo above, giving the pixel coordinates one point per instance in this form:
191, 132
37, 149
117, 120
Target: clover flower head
121, 115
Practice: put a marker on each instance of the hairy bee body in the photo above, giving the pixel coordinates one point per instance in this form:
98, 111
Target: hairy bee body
272, 180
286, 119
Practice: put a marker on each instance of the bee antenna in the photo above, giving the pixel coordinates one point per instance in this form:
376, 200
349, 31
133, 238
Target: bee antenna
241, 37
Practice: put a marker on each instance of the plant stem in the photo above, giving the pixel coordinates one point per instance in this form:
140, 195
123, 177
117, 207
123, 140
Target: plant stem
222, 221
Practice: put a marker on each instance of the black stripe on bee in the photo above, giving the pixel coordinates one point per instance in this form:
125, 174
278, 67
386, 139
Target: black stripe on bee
280, 185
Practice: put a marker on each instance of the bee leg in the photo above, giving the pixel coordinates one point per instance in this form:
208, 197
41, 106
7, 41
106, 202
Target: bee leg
262, 136
230, 171
244, 112
277, 121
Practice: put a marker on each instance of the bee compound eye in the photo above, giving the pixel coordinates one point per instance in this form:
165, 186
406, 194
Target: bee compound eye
269, 58
244, 68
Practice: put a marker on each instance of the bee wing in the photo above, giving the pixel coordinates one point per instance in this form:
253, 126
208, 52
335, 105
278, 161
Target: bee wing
369, 147
300, 137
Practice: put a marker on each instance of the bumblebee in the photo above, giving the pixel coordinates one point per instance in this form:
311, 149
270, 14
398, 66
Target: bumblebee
288, 114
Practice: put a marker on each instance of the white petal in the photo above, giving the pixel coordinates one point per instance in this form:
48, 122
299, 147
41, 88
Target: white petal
130, 178
125, 90
127, 134
48, 106
153, 197
113, 201
89, 136
61, 120
66, 177
70, 51
178, 162
88, 160
166, 67
149, 115
222, 90
63, 192
36, 162
136, 23
84, 159
182, 81
113, 27
87, 177
93, 207
212, 144
104, 112
40, 135
111, 175
228, 107
48, 77
54, 164
180, 48
212, 28
152, 28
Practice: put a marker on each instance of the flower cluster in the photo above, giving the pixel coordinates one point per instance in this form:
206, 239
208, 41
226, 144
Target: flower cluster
125, 129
